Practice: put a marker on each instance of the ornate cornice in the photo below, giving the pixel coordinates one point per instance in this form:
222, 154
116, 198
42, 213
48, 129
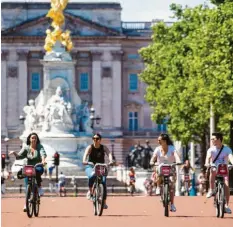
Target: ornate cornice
22, 55
96, 55
117, 55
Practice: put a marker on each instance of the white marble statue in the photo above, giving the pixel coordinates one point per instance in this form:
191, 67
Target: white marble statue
31, 119
83, 117
57, 112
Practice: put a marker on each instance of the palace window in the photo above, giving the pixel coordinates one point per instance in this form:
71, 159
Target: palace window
133, 82
162, 127
133, 121
133, 56
35, 81
84, 82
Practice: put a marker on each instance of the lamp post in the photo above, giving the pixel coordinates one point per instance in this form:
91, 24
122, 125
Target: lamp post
112, 145
93, 118
7, 154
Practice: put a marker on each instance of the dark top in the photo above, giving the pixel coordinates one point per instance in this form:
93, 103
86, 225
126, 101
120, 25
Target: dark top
97, 154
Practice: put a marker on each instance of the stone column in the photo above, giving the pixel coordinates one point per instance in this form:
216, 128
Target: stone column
116, 88
22, 79
106, 93
4, 93
96, 82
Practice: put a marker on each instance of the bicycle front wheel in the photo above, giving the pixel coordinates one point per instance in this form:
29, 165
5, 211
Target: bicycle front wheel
29, 201
221, 201
166, 200
99, 201
36, 201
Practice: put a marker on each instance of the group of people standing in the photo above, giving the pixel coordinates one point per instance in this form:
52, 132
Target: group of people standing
140, 156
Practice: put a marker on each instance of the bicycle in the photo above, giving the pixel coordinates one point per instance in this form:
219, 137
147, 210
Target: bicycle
166, 171
32, 191
132, 187
99, 170
219, 195
186, 183
62, 190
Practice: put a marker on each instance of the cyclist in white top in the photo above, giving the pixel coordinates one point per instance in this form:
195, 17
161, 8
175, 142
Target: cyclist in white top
225, 155
165, 153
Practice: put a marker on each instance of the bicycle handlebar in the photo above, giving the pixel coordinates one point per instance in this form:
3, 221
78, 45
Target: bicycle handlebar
100, 164
172, 164
38, 164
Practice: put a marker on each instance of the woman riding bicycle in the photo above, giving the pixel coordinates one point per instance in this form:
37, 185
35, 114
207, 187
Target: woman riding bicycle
95, 153
165, 153
34, 153
132, 178
186, 169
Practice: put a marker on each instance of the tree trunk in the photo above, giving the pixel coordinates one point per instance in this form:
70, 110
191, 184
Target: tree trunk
203, 149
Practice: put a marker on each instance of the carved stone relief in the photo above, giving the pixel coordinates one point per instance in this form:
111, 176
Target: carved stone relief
12, 71
106, 72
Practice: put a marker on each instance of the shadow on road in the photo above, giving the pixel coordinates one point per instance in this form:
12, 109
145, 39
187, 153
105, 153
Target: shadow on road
125, 215
59, 216
187, 216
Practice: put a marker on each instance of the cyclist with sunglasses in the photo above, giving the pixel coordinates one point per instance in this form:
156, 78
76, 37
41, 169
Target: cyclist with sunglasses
95, 153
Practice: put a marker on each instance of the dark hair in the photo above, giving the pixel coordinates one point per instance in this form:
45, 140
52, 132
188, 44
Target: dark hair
37, 138
97, 134
166, 137
218, 135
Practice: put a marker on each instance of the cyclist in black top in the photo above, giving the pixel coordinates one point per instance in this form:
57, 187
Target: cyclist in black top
96, 153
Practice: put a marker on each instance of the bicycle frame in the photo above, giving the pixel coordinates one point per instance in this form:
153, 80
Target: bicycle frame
100, 170
166, 171
219, 198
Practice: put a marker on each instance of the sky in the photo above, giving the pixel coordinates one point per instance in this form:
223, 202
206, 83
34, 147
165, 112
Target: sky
139, 10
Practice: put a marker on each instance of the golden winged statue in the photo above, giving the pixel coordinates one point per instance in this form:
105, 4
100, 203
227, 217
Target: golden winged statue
57, 16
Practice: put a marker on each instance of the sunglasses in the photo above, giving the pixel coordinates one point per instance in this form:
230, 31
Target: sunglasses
96, 138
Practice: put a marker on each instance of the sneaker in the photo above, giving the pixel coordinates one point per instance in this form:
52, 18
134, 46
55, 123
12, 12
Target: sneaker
24, 208
89, 196
173, 208
105, 206
227, 210
157, 191
41, 191
210, 193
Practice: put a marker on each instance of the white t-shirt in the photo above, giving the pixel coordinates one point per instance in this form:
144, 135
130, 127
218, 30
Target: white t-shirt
169, 158
222, 158
62, 178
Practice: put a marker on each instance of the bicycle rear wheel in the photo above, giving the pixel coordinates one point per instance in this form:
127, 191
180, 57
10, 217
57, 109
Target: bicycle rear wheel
221, 201
99, 202
36, 201
165, 197
29, 201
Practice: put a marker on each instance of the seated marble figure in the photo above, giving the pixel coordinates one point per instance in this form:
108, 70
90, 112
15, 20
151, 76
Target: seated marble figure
57, 111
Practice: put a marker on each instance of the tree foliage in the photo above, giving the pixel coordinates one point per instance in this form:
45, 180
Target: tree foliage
189, 67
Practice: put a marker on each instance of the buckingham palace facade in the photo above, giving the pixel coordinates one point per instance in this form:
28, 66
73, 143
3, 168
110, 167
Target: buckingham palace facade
106, 71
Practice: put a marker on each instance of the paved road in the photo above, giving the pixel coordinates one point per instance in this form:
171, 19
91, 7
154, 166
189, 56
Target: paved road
123, 211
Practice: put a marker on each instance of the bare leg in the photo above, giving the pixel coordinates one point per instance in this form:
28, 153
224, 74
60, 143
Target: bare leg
227, 192
212, 179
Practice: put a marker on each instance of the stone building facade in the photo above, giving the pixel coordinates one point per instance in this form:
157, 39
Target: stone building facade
106, 71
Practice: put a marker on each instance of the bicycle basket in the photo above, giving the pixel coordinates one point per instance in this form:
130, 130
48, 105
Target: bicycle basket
29, 171
222, 169
101, 171
20, 174
165, 170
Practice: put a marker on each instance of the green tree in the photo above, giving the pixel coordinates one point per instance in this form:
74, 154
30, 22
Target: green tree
188, 68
